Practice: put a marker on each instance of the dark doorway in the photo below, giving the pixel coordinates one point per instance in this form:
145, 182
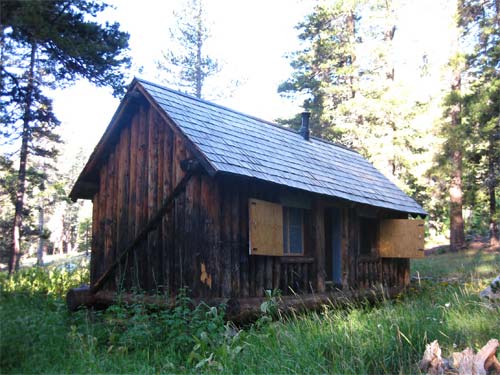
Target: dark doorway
333, 241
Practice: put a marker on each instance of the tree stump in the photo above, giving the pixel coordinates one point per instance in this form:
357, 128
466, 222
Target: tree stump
466, 362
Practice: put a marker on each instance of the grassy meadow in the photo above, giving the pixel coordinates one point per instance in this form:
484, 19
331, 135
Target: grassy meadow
38, 335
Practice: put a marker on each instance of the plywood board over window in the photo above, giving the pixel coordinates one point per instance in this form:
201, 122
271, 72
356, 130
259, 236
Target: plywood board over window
266, 228
401, 238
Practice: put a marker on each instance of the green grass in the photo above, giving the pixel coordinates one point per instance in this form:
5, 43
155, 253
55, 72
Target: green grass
38, 335
468, 264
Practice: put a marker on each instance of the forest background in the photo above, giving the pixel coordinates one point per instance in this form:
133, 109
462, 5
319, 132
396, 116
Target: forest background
413, 86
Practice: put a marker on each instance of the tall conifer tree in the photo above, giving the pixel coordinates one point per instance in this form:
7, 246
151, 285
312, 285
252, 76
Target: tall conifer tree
480, 21
190, 65
48, 44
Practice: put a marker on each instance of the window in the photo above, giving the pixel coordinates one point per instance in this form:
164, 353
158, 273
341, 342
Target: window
293, 231
368, 229
275, 230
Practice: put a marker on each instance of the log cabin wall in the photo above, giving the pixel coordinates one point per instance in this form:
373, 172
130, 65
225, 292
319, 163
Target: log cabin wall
362, 271
203, 241
138, 173
245, 275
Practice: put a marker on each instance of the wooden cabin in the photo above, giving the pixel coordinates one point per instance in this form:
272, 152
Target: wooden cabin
187, 193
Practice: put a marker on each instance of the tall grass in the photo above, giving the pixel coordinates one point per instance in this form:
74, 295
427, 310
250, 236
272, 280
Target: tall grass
38, 335
387, 338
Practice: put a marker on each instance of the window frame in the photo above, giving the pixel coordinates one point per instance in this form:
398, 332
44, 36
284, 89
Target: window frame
286, 212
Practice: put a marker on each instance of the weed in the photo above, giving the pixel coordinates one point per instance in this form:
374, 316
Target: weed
38, 335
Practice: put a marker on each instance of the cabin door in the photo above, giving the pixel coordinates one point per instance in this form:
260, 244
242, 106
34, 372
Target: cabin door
333, 240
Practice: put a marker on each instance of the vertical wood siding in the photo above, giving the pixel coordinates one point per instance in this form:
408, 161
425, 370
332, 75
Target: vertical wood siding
202, 242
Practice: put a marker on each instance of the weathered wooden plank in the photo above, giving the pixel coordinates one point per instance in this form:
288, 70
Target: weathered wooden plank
180, 234
95, 238
243, 231
110, 197
211, 251
276, 273
353, 246
252, 275
197, 239
168, 222
284, 278
159, 253
385, 270
260, 268
104, 196
319, 243
292, 272
235, 243
345, 247
406, 272
153, 272
139, 261
102, 220
116, 218
225, 267
268, 276
122, 197
132, 199
216, 243
190, 234
307, 273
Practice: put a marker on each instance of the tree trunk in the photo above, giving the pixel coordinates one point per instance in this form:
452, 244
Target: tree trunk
351, 29
457, 236
23, 158
492, 182
39, 253
199, 45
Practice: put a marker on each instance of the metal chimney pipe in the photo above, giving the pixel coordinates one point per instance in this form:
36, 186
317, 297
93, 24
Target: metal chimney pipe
304, 128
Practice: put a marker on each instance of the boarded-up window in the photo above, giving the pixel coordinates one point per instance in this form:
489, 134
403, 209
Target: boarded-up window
402, 238
266, 228
293, 231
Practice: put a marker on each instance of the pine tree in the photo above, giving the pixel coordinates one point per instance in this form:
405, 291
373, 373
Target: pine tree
455, 138
47, 44
189, 67
325, 69
480, 21
347, 70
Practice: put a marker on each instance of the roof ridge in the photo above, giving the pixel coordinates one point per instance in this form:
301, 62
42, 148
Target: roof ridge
319, 139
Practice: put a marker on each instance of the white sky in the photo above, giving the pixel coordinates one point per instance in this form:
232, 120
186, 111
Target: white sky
251, 38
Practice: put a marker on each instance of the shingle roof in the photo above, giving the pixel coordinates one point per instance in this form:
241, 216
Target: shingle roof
240, 144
